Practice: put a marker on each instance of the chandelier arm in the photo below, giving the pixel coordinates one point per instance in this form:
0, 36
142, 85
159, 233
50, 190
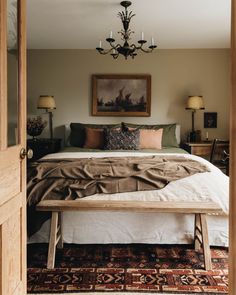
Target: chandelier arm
146, 50
135, 47
115, 56
103, 52
114, 46
117, 46
149, 50
140, 47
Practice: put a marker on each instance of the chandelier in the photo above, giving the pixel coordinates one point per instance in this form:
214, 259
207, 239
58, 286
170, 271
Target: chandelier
126, 49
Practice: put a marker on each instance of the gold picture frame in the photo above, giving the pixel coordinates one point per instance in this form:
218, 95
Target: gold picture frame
121, 95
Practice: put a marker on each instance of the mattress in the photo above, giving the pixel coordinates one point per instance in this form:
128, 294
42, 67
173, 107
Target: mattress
162, 228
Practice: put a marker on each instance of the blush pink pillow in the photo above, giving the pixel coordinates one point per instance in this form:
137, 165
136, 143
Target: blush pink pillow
151, 139
94, 138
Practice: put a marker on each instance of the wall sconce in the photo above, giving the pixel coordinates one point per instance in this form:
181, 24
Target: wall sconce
47, 103
194, 103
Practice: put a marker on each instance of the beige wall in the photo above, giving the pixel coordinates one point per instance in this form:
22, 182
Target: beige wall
66, 74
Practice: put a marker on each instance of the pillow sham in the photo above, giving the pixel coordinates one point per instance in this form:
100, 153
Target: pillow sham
94, 138
168, 136
151, 139
78, 133
121, 140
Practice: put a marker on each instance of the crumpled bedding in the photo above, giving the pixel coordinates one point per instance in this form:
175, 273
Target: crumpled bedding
125, 227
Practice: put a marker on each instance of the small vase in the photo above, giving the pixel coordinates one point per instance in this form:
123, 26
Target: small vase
34, 133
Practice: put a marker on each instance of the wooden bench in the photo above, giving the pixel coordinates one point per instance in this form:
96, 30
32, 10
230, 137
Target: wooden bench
200, 209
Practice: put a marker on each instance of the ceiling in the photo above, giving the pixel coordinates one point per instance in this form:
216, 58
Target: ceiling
80, 24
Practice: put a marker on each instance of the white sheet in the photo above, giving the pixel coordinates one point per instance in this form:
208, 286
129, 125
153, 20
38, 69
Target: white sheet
128, 227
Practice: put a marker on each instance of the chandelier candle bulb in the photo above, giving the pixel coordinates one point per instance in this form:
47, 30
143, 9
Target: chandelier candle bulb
111, 34
152, 41
142, 36
100, 44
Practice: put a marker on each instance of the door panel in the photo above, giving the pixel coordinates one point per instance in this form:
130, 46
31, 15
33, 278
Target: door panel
10, 184
12, 167
11, 243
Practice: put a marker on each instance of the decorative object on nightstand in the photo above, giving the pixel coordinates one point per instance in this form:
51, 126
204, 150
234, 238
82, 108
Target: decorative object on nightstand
47, 102
35, 126
43, 146
194, 103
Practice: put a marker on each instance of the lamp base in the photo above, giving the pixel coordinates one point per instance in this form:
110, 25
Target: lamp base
50, 124
194, 136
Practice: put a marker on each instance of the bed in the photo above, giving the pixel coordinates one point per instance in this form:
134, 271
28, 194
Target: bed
130, 227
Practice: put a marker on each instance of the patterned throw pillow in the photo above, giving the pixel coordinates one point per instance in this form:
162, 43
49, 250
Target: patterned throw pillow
121, 140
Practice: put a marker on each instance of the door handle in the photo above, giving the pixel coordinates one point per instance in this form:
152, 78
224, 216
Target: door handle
29, 153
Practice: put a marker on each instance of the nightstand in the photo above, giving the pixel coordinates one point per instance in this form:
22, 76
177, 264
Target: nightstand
202, 149
43, 146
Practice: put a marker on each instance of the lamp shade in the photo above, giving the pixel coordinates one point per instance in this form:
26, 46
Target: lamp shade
46, 102
195, 103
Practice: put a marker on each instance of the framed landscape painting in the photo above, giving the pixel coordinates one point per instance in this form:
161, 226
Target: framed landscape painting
121, 95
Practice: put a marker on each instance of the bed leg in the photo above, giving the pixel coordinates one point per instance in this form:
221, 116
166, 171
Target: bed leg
52, 241
205, 242
60, 231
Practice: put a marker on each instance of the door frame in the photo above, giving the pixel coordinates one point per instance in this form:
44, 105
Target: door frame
22, 135
232, 199
12, 202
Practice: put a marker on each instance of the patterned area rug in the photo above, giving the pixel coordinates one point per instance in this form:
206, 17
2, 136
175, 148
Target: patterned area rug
127, 268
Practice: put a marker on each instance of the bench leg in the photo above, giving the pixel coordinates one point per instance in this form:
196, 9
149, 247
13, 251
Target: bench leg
205, 242
201, 238
197, 233
60, 233
52, 241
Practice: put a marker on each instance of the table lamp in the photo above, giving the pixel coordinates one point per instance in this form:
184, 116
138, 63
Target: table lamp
194, 103
47, 103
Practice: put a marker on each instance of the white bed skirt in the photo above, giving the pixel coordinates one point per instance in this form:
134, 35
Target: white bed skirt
122, 227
